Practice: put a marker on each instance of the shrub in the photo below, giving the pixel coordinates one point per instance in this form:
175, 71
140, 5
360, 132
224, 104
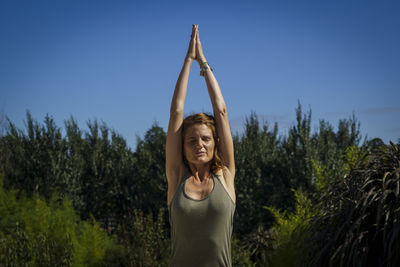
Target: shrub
36, 233
144, 240
358, 223
241, 255
289, 231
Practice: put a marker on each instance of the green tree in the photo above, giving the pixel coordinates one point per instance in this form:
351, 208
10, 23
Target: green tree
149, 182
298, 152
255, 152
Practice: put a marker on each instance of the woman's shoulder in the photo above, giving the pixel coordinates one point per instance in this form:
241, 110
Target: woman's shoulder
226, 175
174, 186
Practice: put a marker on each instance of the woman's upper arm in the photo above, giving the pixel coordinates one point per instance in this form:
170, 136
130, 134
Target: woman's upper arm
225, 140
174, 161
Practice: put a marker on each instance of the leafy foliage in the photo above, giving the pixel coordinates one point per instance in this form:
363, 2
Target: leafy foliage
106, 181
358, 216
241, 256
144, 240
36, 233
259, 176
288, 234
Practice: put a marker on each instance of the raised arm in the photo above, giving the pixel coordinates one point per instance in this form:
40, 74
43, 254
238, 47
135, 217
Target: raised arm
220, 114
174, 161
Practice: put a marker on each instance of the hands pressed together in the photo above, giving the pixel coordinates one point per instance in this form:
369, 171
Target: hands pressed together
195, 51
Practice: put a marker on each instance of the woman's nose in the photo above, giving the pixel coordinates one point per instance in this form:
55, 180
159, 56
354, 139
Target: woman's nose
199, 143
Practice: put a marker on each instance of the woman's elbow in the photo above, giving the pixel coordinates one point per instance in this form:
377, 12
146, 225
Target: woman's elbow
221, 110
176, 109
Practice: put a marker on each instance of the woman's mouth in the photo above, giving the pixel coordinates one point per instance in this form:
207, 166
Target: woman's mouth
200, 153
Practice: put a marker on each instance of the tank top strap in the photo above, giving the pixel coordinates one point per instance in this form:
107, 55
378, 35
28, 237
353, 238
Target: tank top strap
179, 189
220, 185
217, 177
185, 175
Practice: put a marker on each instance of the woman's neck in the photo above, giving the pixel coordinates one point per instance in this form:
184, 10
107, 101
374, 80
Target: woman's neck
201, 172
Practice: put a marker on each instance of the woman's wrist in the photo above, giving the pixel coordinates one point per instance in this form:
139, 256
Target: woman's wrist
201, 61
189, 59
204, 67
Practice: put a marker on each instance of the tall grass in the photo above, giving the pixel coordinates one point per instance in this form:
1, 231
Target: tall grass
358, 220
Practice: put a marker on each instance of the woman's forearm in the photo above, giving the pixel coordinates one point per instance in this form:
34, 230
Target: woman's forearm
178, 100
215, 93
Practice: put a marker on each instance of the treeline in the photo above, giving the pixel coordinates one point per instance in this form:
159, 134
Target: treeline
125, 190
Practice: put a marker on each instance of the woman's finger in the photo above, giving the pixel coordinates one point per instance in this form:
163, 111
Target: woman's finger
198, 36
198, 43
194, 28
193, 40
192, 45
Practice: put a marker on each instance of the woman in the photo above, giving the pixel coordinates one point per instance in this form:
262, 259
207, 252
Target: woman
200, 171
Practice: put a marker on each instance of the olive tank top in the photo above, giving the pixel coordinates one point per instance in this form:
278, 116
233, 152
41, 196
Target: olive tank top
201, 230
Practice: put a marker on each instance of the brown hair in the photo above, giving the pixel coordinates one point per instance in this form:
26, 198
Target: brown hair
203, 118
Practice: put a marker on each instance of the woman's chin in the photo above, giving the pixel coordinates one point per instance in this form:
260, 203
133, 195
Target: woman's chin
200, 160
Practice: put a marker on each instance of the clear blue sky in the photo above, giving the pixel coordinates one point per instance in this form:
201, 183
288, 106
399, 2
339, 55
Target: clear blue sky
118, 61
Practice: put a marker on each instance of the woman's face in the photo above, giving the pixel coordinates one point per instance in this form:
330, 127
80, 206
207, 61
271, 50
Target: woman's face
199, 144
